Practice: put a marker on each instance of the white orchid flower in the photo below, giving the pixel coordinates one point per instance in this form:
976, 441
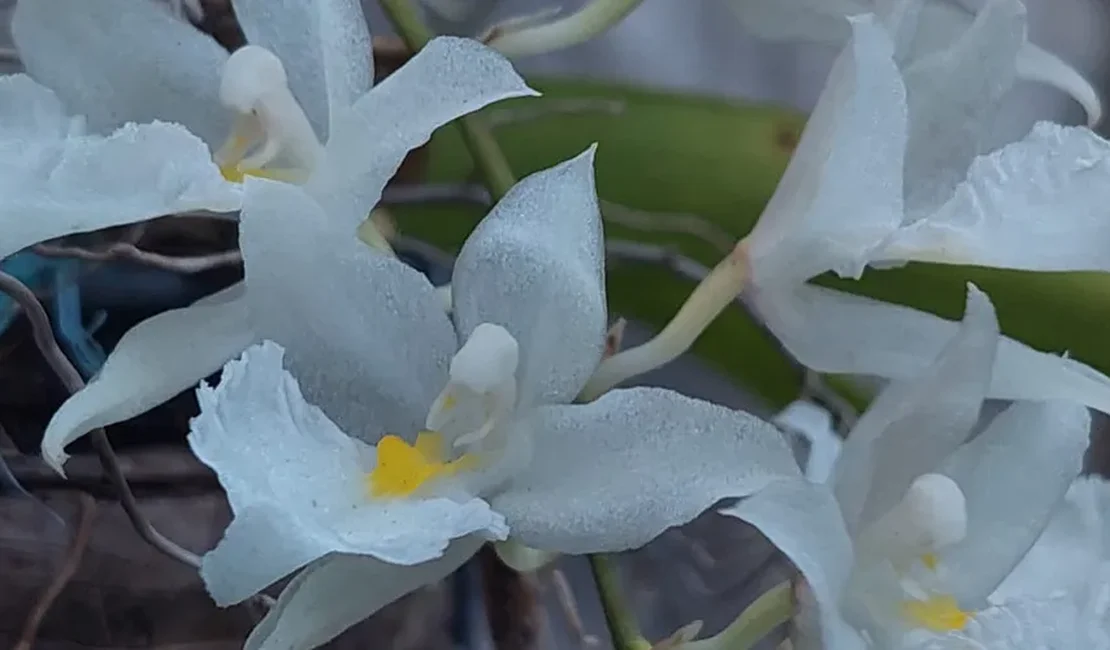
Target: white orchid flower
937, 520
370, 137
378, 442
824, 21
842, 205
165, 119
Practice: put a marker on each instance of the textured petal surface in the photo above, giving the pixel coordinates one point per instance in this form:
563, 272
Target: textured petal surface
1014, 476
841, 195
915, 424
803, 520
119, 61
30, 113
297, 485
861, 336
324, 44
954, 95
366, 336
1037, 204
56, 184
340, 590
536, 266
154, 361
449, 78
613, 474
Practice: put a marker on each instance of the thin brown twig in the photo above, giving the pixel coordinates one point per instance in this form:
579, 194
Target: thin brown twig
63, 576
569, 606
128, 251
668, 222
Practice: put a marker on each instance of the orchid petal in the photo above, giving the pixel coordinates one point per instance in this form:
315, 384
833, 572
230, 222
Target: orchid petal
613, 474
914, 424
841, 195
450, 77
120, 61
1037, 65
1036, 204
536, 266
857, 335
155, 360
338, 591
297, 485
324, 46
1014, 475
366, 335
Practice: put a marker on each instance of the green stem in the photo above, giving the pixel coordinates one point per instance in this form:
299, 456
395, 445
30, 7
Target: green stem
770, 610
618, 615
479, 140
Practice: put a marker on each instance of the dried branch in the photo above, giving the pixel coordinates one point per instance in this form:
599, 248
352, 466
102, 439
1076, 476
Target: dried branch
686, 224
569, 606
128, 251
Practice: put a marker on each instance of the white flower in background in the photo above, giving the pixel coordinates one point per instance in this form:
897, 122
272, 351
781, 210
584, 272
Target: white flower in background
943, 21
842, 205
938, 517
371, 132
378, 442
142, 87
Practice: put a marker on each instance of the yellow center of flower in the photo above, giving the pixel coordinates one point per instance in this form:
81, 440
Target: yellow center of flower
404, 468
930, 561
233, 174
937, 614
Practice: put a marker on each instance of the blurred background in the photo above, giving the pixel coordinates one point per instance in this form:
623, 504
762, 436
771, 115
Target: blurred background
73, 572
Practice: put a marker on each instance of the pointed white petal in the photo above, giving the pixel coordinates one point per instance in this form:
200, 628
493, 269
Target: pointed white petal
861, 336
324, 45
1077, 539
842, 192
1036, 204
154, 361
823, 21
30, 112
297, 485
914, 424
613, 474
803, 520
1035, 64
536, 266
1014, 476
954, 95
366, 335
449, 78
119, 61
340, 590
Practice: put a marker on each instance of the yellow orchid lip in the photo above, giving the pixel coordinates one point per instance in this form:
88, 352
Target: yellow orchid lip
936, 614
402, 469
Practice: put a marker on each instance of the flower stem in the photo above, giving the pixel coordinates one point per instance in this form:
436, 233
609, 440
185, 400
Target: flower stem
770, 610
723, 284
623, 629
491, 162
581, 26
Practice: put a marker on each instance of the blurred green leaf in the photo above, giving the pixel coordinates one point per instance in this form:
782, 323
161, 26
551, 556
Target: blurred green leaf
721, 160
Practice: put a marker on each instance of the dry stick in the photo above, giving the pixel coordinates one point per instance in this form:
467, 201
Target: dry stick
569, 605
128, 251
63, 576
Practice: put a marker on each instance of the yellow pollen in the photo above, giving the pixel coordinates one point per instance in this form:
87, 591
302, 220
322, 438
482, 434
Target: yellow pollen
403, 468
449, 402
233, 174
937, 614
930, 561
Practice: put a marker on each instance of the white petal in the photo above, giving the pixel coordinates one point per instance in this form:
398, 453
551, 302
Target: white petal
1077, 539
823, 21
324, 45
861, 336
1014, 476
155, 360
1035, 64
447, 79
536, 266
954, 95
842, 192
803, 520
1060, 623
613, 474
1036, 204
914, 424
366, 335
297, 485
340, 590
56, 184
30, 112
119, 61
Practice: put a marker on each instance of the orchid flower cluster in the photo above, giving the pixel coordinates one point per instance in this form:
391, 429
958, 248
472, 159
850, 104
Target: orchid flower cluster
371, 438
